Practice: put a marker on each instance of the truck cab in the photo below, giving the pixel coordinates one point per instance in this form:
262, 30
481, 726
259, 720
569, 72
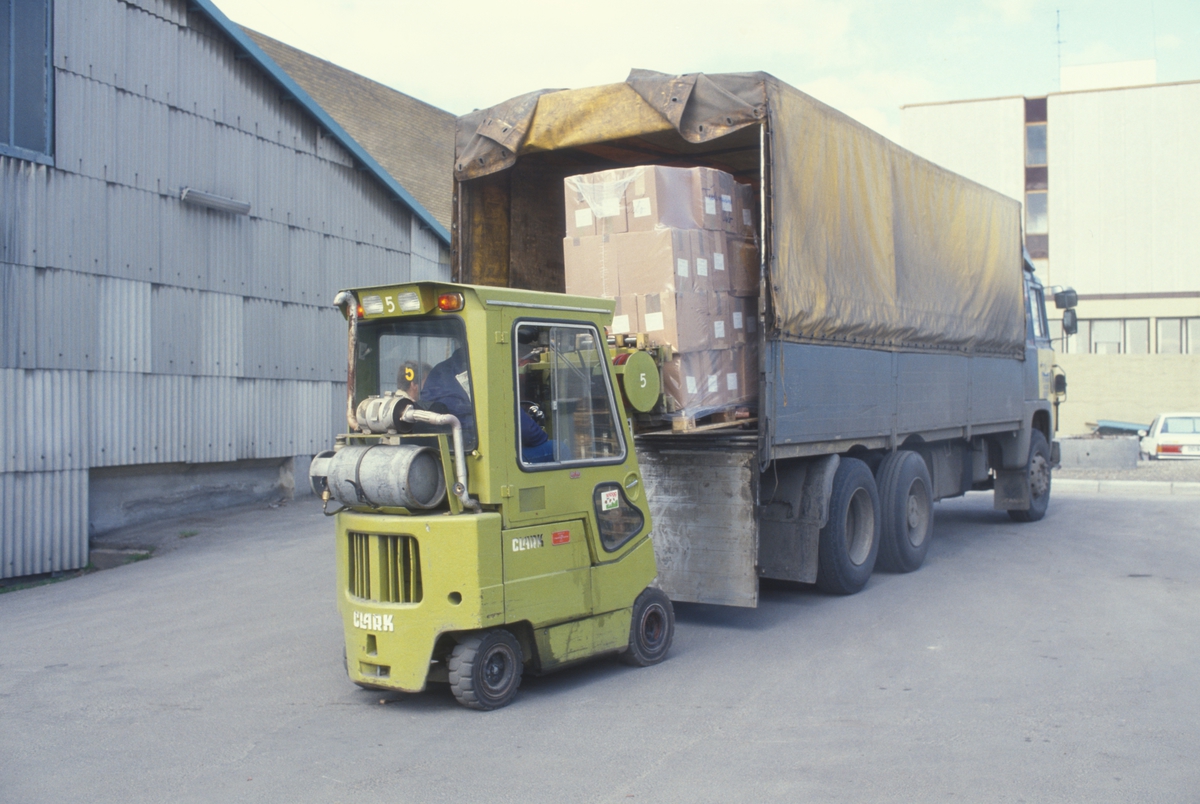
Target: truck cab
492, 518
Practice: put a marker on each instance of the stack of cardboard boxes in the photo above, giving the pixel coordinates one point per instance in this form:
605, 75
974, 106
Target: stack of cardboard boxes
676, 249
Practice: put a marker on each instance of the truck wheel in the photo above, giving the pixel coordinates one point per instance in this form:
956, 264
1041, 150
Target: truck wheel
485, 670
906, 505
651, 629
1039, 480
849, 542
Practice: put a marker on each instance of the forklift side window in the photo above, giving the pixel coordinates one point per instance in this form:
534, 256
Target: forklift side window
566, 411
617, 519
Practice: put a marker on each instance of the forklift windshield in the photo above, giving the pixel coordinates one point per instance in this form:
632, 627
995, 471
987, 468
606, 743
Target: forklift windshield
426, 358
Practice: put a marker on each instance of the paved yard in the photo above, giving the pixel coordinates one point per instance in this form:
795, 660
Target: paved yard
1049, 662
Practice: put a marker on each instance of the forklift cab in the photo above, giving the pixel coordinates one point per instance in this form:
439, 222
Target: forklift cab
542, 555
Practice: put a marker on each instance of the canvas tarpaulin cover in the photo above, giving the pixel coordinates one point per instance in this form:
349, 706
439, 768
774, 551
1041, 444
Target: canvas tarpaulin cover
867, 244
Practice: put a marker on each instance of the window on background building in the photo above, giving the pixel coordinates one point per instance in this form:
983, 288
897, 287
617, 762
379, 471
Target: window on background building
1137, 336
26, 89
1035, 145
1169, 340
1056, 335
1078, 343
1037, 220
1106, 337
1193, 336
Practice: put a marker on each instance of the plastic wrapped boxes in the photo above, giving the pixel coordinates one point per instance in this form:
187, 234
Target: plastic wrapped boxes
676, 248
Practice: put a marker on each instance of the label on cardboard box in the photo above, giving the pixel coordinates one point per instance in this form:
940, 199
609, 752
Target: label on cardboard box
726, 203
681, 266
719, 329
691, 385
583, 218
621, 323
609, 207
713, 385
747, 218
641, 207
737, 320
731, 381
710, 206
718, 261
654, 322
701, 266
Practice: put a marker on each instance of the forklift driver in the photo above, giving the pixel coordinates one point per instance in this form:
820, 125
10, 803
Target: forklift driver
447, 389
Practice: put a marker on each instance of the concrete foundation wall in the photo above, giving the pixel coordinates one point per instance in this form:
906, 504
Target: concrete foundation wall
1118, 452
1133, 388
122, 496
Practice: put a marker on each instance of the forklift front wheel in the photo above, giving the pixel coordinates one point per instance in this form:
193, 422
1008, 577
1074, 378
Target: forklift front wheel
651, 630
485, 669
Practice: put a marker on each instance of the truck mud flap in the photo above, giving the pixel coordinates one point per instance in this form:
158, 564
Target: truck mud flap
702, 501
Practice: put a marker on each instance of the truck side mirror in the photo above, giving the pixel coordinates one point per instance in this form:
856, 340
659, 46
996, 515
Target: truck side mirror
1070, 321
1066, 298
1060, 383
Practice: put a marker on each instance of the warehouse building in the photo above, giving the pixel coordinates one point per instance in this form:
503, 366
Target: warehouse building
1109, 175
176, 214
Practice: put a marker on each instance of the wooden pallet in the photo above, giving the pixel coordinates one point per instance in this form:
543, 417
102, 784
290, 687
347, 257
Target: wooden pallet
722, 419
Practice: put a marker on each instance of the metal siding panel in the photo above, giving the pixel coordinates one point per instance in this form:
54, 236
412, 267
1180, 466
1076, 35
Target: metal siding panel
89, 39
124, 320
43, 522
142, 132
175, 328
44, 423
85, 130
66, 326
22, 215
134, 228
220, 334
933, 391
18, 335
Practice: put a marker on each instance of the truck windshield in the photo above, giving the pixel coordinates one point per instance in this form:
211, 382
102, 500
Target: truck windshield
425, 358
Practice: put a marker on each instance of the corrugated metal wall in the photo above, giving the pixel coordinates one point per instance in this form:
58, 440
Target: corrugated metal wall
135, 329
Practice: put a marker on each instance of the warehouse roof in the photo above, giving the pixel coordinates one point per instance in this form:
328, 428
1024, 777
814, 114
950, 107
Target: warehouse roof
413, 140
296, 90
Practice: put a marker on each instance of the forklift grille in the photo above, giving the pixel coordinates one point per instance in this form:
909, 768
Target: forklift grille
399, 577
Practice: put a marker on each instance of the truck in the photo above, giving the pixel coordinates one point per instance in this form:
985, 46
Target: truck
903, 358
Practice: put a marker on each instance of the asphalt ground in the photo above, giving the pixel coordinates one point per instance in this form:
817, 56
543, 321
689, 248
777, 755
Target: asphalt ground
1054, 661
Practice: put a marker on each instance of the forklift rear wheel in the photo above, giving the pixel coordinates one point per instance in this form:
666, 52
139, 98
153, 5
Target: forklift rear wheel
485, 669
651, 629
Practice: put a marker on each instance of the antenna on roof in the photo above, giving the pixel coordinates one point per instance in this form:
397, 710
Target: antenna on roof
1058, 42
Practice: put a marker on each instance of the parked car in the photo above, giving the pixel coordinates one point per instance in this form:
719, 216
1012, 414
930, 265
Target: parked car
1172, 435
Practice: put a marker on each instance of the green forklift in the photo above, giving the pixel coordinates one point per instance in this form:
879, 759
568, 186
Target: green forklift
491, 518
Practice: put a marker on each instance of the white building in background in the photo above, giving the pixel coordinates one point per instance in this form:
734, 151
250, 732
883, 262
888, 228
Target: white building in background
1109, 174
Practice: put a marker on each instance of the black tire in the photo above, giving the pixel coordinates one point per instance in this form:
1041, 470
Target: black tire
1038, 471
906, 508
485, 669
849, 542
651, 630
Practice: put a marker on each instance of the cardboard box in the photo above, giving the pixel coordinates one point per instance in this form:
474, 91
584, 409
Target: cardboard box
719, 269
661, 196
744, 319
680, 320
589, 267
720, 318
746, 364
743, 266
626, 315
596, 203
746, 210
654, 262
691, 383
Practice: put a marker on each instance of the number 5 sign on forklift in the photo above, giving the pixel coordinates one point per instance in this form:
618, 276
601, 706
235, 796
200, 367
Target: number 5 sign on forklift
787, 399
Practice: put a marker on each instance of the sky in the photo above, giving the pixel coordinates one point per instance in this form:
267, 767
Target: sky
865, 58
